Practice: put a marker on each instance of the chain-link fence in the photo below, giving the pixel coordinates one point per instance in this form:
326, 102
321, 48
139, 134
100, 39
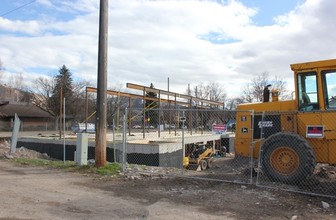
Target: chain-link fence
195, 143
292, 151
301, 157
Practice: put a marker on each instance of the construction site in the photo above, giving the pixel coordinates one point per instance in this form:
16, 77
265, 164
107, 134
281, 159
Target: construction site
85, 134
266, 144
262, 150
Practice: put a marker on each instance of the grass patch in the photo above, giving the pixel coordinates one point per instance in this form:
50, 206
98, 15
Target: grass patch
43, 162
110, 169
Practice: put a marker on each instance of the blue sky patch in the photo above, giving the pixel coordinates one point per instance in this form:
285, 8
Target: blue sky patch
217, 38
45, 70
268, 9
26, 10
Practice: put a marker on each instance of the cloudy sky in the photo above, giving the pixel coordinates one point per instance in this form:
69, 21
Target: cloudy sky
191, 42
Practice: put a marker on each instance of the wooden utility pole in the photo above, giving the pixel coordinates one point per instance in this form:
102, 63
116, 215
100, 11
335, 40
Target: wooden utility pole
100, 148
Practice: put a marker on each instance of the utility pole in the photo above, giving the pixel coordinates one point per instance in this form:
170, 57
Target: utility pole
100, 147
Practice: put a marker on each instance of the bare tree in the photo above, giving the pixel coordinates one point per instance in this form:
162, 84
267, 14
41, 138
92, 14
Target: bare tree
116, 105
2, 70
43, 90
280, 85
212, 91
253, 91
216, 92
16, 85
232, 103
14, 89
78, 100
247, 93
258, 84
16, 81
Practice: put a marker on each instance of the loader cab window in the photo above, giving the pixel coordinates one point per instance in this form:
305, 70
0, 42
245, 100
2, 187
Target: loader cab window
307, 91
329, 88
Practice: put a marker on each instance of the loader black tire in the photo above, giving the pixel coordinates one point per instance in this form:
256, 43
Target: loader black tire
209, 162
287, 158
203, 164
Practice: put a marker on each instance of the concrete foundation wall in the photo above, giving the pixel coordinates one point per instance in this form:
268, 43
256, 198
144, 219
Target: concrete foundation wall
136, 153
163, 153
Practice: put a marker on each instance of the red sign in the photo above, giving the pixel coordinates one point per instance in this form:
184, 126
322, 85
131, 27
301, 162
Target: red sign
219, 129
315, 131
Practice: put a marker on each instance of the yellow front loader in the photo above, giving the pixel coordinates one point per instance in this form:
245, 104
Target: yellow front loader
293, 135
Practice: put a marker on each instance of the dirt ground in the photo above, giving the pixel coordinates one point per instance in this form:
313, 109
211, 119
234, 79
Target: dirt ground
41, 193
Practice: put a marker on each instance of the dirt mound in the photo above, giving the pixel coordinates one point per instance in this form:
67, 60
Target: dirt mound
19, 152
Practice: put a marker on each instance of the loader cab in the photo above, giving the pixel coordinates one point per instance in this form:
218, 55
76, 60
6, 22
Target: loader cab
329, 89
315, 85
307, 91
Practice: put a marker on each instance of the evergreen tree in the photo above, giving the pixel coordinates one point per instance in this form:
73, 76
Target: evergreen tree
151, 112
63, 89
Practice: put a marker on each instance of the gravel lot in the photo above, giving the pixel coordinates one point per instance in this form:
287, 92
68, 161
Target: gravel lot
41, 193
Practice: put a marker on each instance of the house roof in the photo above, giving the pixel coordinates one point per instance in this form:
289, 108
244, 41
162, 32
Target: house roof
23, 110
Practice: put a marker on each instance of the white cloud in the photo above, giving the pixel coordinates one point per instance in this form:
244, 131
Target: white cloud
45, 2
150, 41
22, 27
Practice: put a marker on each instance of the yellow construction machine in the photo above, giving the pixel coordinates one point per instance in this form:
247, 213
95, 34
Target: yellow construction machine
296, 134
200, 158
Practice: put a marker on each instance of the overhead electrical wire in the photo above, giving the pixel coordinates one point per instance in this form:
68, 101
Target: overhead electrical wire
6, 13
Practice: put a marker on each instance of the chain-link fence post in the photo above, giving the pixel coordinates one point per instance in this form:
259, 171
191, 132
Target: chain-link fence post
124, 160
114, 142
260, 148
183, 146
252, 146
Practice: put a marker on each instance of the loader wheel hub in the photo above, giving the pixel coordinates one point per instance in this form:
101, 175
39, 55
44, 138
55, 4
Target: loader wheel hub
284, 160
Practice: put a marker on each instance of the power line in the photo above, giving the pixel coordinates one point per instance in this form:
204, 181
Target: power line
6, 13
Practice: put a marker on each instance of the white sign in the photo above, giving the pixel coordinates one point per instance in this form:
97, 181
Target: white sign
219, 129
